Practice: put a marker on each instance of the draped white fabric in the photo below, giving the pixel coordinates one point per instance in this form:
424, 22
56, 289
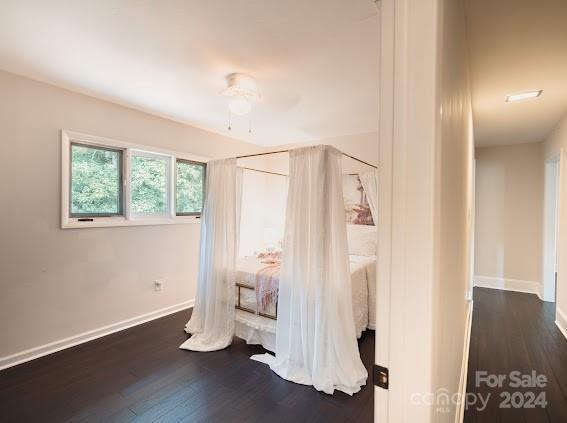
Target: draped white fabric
212, 321
315, 337
239, 185
369, 181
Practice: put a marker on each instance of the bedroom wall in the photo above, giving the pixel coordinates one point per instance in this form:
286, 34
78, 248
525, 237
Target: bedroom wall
264, 199
59, 283
363, 146
555, 145
509, 215
264, 196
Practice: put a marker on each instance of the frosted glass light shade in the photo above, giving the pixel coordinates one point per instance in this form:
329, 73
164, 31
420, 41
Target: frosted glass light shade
239, 106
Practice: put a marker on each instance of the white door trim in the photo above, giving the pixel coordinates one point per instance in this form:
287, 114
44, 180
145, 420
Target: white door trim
386, 119
406, 248
550, 225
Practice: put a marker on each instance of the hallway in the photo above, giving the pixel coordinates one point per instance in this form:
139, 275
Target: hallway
513, 331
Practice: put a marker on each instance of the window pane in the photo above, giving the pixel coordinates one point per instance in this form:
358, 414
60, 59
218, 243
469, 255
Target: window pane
189, 187
95, 181
149, 185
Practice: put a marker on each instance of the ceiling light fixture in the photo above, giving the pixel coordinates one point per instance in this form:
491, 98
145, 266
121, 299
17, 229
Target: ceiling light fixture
242, 92
523, 96
239, 106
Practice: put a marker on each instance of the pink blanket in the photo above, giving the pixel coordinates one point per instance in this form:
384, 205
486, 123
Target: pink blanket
267, 286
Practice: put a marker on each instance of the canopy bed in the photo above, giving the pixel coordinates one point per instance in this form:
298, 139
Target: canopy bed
293, 302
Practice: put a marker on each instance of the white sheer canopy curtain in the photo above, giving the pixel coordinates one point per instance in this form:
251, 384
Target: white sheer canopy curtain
369, 181
315, 337
212, 321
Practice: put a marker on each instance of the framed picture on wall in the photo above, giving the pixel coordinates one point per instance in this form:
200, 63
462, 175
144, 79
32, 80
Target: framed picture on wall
357, 208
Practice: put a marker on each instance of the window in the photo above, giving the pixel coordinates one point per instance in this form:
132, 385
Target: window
149, 184
189, 187
96, 181
113, 183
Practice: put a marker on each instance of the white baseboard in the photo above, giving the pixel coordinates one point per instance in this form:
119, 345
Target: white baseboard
460, 414
528, 287
540, 292
40, 351
561, 321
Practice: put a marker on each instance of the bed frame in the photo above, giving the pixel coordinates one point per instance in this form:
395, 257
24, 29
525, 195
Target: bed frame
248, 310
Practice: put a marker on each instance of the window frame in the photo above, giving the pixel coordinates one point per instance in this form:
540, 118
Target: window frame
126, 218
121, 174
188, 161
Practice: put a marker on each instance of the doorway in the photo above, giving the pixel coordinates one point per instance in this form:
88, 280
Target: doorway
550, 214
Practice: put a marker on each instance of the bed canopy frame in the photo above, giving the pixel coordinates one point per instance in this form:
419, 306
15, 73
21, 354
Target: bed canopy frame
315, 333
287, 151
240, 286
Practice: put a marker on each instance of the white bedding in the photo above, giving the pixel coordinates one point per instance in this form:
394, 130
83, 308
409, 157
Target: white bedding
246, 269
369, 264
256, 329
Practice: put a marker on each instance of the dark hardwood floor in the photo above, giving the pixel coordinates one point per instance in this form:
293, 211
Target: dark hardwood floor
140, 374
516, 332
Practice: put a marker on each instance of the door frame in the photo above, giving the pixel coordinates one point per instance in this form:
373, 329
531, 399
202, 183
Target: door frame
551, 213
408, 118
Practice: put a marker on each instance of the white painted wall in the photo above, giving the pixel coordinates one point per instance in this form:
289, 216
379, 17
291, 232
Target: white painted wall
509, 216
554, 145
58, 283
426, 147
262, 220
454, 199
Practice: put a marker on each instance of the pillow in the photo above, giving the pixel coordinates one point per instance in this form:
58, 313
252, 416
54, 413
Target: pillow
362, 240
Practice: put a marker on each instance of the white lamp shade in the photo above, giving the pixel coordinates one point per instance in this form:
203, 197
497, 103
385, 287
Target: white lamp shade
239, 106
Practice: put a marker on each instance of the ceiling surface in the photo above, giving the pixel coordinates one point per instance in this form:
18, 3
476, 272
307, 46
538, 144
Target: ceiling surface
517, 46
315, 62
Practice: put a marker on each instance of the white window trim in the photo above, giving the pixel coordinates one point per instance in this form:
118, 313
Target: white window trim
67, 222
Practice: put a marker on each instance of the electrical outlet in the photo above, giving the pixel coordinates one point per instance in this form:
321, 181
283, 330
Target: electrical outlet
158, 285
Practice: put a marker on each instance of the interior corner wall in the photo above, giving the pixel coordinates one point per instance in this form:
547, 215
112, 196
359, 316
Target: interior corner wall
58, 283
509, 216
408, 190
555, 145
453, 212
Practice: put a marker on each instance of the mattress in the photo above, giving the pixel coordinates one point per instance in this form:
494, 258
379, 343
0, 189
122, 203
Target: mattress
256, 329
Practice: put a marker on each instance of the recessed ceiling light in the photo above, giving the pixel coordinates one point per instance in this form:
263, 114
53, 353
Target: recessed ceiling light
523, 96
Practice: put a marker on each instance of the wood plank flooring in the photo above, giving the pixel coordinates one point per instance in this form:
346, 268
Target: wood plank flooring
512, 331
140, 374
